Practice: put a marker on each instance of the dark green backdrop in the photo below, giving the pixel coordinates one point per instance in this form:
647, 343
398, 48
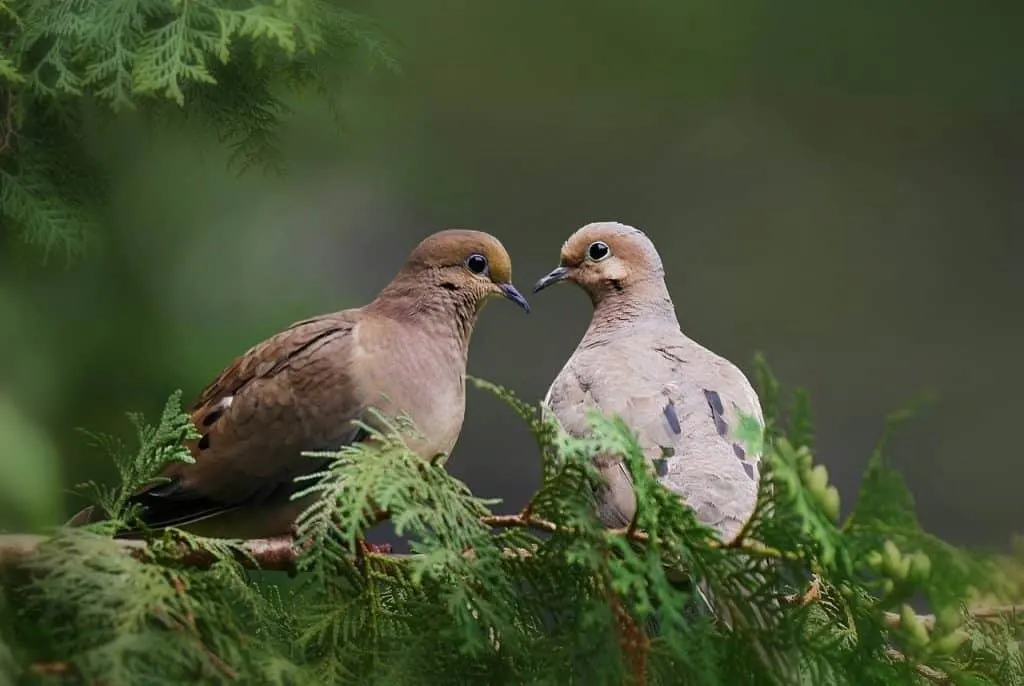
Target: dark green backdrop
836, 184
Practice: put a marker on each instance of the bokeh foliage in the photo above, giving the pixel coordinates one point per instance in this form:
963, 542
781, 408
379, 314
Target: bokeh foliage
526, 606
70, 66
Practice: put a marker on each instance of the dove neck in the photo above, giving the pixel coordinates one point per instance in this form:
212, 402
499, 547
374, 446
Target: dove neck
445, 314
640, 304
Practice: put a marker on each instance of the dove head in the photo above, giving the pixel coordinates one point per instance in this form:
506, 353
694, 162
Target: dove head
609, 260
461, 266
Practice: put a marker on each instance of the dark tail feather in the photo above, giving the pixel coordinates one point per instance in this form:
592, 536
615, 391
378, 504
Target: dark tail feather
161, 511
158, 512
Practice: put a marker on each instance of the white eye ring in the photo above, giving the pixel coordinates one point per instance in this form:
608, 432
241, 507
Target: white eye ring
598, 250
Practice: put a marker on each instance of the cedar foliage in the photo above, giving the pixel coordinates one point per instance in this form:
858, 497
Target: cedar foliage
527, 606
67, 66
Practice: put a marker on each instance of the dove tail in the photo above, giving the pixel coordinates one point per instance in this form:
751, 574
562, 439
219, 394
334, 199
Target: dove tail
158, 512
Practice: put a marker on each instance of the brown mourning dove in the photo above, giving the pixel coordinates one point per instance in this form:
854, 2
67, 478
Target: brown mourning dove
299, 390
682, 400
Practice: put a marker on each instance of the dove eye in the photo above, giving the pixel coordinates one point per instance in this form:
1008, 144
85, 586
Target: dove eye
598, 250
476, 263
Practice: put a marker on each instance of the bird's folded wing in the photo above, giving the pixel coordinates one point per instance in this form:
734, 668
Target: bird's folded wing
257, 418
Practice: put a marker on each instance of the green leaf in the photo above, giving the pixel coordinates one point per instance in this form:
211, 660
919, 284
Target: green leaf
30, 495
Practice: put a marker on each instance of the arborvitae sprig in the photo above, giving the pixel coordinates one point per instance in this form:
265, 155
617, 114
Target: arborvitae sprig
219, 62
523, 598
157, 446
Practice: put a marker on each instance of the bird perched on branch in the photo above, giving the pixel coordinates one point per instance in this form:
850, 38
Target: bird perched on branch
300, 390
682, 400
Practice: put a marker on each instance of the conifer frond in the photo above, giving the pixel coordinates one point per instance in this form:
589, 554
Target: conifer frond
30, 202
528, 598
220, 61
158, 446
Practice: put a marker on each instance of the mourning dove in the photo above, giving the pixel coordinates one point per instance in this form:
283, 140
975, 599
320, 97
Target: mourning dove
682, 400
300, 390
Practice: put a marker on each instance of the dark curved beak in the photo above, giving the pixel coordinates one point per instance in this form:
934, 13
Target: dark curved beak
554, 276
510, 292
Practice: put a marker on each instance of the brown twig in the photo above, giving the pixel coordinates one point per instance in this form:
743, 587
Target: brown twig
930, 673
271, 554
519, 521
893, 621
281, 554
49, 668
812, 594
633, 641
267, 554
527, 520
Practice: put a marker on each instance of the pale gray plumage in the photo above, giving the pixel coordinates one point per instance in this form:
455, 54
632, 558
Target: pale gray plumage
682, 400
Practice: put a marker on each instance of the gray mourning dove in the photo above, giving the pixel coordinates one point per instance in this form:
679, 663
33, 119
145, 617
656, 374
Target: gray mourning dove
682, 400
299, 390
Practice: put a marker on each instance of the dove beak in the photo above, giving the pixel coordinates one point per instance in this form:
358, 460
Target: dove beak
556, 275
510, 292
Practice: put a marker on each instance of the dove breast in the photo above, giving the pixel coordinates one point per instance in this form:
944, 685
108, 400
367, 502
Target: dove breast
684, 404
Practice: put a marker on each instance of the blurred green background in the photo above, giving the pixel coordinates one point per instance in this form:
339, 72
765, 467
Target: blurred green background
836, 184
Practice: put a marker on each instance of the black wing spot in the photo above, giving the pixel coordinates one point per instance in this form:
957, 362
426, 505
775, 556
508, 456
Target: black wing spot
661, 466
738, 450
749, 469
204, 442
672, 417
212, 417
717, 411
669, 355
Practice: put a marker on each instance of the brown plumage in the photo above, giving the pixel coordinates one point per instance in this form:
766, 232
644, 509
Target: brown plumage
301, 389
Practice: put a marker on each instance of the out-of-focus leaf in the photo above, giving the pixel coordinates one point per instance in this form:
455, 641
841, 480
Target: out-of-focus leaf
29, 475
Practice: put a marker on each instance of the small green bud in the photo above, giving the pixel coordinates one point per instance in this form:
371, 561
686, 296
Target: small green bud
830, 503
804, 460
874, 560
920, 567
902, 570
916, 634
948, 618
891, 560
949, 644
817, 481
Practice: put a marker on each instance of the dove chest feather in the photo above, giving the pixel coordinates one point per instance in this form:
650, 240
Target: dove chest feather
422, 376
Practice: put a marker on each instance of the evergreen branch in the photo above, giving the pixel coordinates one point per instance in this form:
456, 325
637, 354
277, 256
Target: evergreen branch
280, 554
277, 554
268, 554
546, 595
930, 673
1000, 612
215, 60
527, 520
